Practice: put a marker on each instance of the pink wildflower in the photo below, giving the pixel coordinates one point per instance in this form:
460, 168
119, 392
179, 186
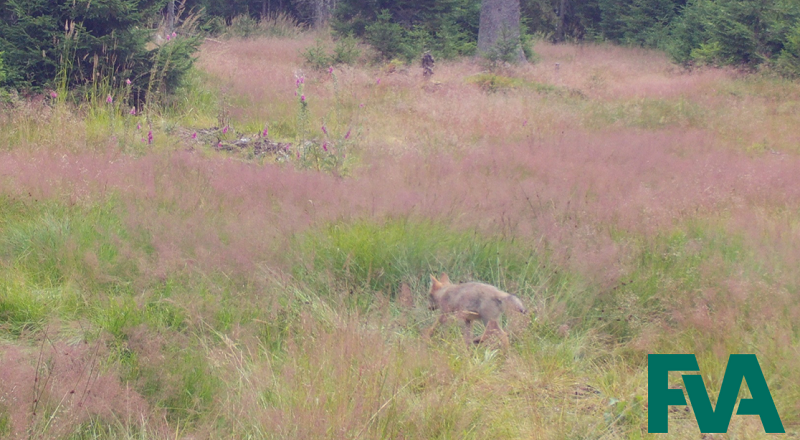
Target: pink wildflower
109, 99
224, 129
128, 81
194, 135
174, 35
302, 98
53, 95
265, 132
133, 111
138, 126
361, 105
347, 136
150, 137
324, 130
378, 82
330, 69
169, 37
325, 146
525, 123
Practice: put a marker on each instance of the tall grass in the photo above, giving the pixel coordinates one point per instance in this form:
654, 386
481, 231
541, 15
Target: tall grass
208, 296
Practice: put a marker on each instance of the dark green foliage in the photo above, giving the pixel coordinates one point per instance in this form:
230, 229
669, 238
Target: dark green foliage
718, 32
111, 38
387, 36
2, 70
789, 59
639, 22
404, 29
83, 41
166, 66
320, 56
217, 13
505, 50
744, 32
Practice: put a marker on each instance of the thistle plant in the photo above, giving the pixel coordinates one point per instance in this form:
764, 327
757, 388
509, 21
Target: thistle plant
302, 119
328, 151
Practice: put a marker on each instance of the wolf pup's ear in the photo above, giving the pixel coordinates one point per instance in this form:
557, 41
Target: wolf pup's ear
444, 278
435, 284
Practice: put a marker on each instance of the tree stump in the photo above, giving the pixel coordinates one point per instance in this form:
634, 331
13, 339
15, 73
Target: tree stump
427, 64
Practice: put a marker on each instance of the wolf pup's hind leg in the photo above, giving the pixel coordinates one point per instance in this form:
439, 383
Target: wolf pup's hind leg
493, 327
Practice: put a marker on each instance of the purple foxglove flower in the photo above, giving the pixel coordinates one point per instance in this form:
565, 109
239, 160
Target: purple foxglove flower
224, 129
325, 146
347, 136
150, 137
194, 135
266, 132
324, 130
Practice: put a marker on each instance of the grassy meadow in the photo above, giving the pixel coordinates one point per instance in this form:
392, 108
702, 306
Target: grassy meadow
171, 288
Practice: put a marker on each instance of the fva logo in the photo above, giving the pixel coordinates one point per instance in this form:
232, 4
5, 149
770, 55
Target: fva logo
709, 420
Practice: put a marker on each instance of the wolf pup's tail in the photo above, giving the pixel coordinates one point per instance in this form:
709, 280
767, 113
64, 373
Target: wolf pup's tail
516, 303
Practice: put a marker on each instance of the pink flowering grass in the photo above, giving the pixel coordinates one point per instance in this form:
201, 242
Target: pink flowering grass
560, 189
67, 390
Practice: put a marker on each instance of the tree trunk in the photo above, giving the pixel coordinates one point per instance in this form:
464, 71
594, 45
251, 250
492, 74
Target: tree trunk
322, 11
170, 16
499, 20
562, 16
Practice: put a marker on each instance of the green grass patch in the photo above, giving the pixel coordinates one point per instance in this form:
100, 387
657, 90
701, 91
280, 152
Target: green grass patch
5, 421
647, 113
491, 82
56, 261
378, 256
367, 257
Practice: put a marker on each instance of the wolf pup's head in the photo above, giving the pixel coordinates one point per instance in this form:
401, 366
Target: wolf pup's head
436, 286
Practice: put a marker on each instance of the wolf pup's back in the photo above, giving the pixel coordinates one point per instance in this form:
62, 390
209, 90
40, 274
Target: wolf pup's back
470, 302
483, 299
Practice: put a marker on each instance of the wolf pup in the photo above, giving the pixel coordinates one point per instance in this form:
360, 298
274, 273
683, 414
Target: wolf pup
471, 301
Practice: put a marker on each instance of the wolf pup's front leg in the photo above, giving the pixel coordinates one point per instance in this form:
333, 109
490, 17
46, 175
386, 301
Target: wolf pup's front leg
441, 320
